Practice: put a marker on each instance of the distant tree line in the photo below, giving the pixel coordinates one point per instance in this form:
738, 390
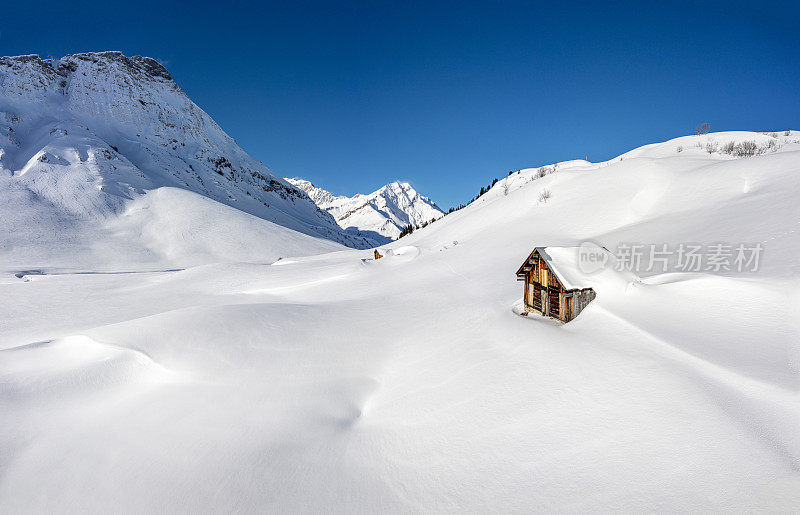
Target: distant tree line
408, 229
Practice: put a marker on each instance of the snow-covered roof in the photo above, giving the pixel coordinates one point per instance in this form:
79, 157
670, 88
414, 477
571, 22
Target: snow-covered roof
564, 263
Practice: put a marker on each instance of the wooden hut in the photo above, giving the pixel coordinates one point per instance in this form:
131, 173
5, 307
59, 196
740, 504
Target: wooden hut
552, 283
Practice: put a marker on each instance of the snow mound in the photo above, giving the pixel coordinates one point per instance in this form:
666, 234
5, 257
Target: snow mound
409, 251
74, 366
188, 229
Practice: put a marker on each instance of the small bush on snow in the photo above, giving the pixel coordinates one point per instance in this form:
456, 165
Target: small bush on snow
544, 195
787, 132
745, 149
729, 147
711, 147
680, 148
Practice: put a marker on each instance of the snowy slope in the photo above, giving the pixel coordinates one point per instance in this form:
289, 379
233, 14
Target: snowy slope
82, 136
381, 214
338, 383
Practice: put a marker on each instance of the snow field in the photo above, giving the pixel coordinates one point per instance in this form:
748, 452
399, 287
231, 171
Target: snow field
334, 382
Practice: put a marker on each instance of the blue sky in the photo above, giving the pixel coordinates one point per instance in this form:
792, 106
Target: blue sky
445, 95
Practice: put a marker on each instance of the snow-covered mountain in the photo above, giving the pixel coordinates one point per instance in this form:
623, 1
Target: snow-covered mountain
84, 137
381, 214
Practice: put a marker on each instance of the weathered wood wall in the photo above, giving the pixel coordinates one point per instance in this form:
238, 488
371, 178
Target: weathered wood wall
580, 299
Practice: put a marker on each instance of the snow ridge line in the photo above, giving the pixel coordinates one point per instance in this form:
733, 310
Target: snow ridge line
763, 409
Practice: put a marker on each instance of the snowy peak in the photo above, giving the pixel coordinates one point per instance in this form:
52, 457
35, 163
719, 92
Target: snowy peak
381, 214
399, 191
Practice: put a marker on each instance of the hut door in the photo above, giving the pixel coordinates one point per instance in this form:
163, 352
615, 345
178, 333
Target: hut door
537, 297
544, 300
553, 302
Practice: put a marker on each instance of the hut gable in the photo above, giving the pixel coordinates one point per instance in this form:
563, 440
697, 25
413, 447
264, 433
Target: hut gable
553, 283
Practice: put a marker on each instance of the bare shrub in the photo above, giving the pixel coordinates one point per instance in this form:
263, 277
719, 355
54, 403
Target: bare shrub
787, 132
773, 134
729, 147
544, 195
703, 128
712, 147
542, 171
680, 148
745, 149
771, 145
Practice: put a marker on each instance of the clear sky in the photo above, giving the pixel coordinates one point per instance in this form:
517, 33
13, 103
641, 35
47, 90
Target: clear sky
445, 95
